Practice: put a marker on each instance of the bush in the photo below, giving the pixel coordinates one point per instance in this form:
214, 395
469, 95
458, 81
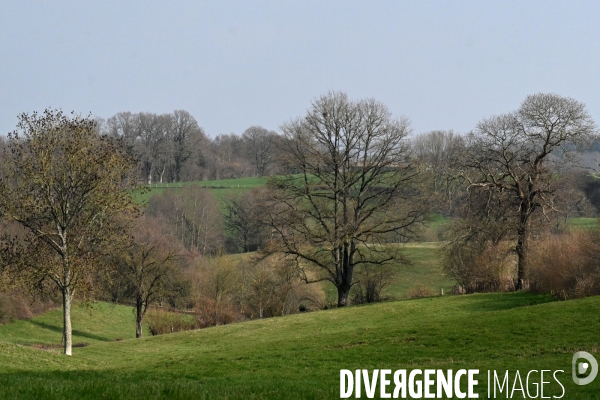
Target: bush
215, 282
371, 281
161, 322
480, 267
15, 305
565, 265
419, 291
212, 311
273, 287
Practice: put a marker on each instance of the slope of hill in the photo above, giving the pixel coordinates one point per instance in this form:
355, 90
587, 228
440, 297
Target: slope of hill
300, 356
219, 188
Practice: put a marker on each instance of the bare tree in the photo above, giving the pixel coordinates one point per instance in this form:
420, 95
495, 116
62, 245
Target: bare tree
187, 137
227, 157
64, 183
260, 145
354, 193
192, 216
123, 125
244, 218
146, 267
437, 152
510, 155
150, 136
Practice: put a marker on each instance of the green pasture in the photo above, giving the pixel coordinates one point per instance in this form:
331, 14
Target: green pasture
300, 356
423, 273
219, 188
583, 223
432, 231
92, 323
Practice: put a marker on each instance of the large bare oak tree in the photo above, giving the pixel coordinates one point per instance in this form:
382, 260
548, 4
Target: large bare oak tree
514, 156
350, 190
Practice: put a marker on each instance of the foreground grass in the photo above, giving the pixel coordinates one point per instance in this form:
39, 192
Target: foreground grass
300, 356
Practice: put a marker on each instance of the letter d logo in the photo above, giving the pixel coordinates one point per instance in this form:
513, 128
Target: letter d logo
582, 367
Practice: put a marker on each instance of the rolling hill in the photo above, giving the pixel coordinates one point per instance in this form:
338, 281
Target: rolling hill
300, 356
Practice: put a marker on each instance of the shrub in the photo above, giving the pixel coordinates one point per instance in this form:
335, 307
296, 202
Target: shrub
210, 311
16, 304
480, 267
161, 322
565, 264
371, 281
420, 291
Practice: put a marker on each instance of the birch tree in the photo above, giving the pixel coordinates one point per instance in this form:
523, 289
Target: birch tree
66, 185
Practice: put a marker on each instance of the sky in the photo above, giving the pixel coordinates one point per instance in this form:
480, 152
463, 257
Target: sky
236, 64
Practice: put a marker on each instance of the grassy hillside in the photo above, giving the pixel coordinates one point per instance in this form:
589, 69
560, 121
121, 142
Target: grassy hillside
583, 223
92, 323
424, 274
300, 356
219, 188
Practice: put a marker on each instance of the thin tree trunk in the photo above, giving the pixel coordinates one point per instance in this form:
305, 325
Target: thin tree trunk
162, 174
67, 330
139, 316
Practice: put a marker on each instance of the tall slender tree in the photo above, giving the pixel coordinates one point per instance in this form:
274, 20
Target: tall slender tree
66, 185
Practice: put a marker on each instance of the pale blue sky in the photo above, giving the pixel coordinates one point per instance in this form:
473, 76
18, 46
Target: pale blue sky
234, 64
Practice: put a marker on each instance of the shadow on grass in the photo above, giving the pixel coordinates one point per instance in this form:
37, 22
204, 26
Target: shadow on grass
76, 332
505, 301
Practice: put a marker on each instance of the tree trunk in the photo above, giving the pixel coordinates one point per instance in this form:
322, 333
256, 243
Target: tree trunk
139, 316
162, 174
343, 295
178, 163
345, 275
520, 249
67, 330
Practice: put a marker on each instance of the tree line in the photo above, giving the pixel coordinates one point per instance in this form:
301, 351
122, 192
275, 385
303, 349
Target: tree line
348, 183
172, 147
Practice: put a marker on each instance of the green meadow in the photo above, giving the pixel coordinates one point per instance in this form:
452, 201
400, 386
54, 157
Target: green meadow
219, 188
300, 356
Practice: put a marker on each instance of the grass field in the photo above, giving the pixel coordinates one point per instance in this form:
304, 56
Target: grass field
219, 188
92, 323
300, 356
425, 271
583, 223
